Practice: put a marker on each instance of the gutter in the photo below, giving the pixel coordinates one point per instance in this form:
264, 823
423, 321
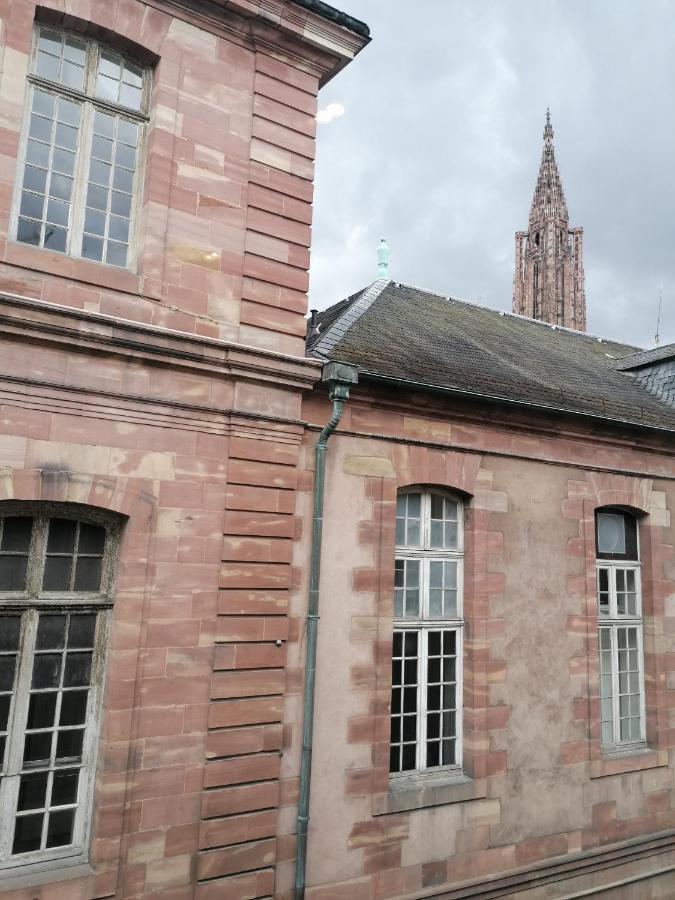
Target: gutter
339, 377
408, 384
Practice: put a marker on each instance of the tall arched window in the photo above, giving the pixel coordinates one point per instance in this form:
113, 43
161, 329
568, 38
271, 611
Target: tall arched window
426, 702
620, 629
56, 571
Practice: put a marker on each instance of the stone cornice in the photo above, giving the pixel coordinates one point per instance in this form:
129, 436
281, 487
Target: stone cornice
278, 26
40, 323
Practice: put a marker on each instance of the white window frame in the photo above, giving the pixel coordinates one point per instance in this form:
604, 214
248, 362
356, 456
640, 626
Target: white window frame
612, 622
423, 624
89, 103
29, 604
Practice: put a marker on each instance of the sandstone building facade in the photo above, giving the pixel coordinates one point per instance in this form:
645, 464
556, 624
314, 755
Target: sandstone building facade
495, 594
155, 211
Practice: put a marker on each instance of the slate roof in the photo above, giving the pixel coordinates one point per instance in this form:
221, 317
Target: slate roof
404, 334
646, 357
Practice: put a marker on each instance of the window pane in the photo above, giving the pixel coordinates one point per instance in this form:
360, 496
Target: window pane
74, 51
60, 828
62, 534
48, 66
69, 112
63, 161
72, 76
107, 88
130, 96
37, 153
611, 533
33, 791
10, 629
116, 254
57, 573
35, 180
4, 713
50, 42
13, 573
78, 670
46, 670
81, 631
69, 745
88, 574
64, 787
127, 132
16, 533
27, 833
7, 669
60, 186
37, 749
73, 707
41, 710
51, 632
92, 248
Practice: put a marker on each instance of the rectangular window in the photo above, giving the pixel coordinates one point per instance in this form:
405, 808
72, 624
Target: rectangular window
426, 695
619, 631
80, 181
54, 608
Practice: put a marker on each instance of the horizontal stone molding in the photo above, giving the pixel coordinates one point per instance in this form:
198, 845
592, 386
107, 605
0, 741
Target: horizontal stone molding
74, 330
563, 868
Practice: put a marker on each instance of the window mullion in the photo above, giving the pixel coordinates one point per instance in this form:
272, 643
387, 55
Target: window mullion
421, 699
459, 696
9, 788
641, 685
614, 636
80, 183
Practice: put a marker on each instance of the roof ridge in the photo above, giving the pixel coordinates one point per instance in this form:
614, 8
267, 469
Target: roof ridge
353, 312
513, 315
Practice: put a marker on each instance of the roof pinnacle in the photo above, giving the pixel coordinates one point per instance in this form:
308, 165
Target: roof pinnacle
548, 129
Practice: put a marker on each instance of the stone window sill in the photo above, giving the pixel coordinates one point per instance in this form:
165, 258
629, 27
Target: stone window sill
76, 268
422, 791
47, 873
634, 761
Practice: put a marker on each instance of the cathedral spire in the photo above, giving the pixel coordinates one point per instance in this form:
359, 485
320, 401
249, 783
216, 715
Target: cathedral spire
549, 277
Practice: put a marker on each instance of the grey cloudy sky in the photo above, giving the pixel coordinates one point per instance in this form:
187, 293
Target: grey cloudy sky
439, 146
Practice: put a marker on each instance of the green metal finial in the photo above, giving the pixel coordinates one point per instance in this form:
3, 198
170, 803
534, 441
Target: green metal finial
383, 259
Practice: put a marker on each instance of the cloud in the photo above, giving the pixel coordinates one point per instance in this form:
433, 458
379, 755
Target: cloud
330, 112
442, 146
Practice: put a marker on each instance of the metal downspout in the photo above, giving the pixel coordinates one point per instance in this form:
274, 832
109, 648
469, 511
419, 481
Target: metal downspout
339, 376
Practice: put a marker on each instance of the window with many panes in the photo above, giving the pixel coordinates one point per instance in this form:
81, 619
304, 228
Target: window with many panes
426, 698
55, 583
80, 179
620, 630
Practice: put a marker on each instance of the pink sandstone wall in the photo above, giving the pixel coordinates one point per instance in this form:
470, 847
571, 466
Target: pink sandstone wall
168, 394
541, 789
228, 186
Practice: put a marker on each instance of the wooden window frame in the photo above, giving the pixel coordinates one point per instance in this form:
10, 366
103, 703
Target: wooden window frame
89, 104
29, 604
423, 624
613, 621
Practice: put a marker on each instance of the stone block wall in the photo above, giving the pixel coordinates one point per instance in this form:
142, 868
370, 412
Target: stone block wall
171, 393
545, 813
226, 200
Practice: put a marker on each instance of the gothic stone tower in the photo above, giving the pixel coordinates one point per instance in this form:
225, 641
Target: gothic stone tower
549, 277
